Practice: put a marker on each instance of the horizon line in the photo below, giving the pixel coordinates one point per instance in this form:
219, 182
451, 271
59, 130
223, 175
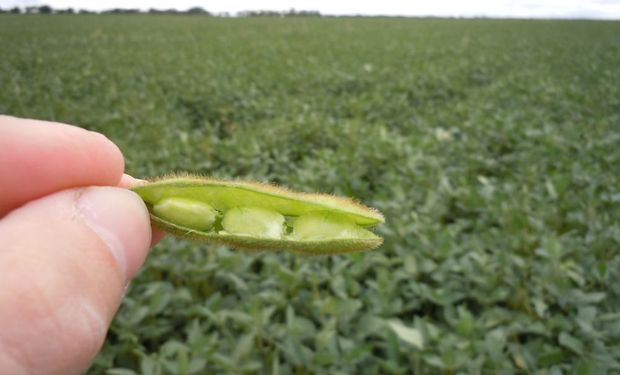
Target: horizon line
291, 13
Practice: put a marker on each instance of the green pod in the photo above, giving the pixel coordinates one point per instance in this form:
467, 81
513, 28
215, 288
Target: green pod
258, 216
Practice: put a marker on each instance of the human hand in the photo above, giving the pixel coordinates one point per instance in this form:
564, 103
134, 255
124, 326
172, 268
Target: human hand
71, 238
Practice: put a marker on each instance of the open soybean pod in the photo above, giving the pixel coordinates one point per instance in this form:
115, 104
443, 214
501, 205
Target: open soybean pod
257, 216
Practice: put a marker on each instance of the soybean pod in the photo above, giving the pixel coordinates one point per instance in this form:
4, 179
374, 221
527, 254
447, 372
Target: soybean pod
258, 216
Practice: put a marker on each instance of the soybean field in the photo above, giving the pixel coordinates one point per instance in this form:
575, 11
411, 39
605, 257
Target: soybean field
491, 146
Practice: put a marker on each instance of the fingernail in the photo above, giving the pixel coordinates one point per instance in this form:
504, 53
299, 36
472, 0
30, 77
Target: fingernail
121, 220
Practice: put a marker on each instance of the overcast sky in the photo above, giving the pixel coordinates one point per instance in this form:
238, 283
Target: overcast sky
600, 9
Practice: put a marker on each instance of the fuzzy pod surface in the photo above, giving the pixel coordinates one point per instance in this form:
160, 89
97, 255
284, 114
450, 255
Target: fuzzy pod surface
257, 216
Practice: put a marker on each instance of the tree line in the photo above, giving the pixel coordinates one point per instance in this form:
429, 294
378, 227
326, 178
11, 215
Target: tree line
46, 9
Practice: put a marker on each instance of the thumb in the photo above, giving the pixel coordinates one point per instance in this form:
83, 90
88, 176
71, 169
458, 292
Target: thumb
65, 260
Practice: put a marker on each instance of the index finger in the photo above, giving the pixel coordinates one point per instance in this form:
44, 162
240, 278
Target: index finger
38, 158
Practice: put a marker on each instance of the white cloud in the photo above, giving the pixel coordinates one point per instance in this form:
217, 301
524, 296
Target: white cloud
604, 9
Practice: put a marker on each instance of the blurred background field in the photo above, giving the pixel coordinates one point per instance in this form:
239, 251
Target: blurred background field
492, 147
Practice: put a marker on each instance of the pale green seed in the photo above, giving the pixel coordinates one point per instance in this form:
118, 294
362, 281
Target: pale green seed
253, 221
325, 225
186, 212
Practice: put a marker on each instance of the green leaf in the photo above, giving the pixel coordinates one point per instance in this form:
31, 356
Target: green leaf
120, 371
571, 342
407, 334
